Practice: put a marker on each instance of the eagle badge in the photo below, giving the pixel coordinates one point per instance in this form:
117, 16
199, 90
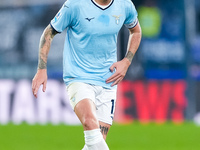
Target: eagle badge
117, 18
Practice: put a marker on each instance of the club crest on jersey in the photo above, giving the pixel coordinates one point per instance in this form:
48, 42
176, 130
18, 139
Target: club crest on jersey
117, 18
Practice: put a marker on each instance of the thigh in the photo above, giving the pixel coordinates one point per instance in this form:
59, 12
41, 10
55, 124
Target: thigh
86, 112
82, 98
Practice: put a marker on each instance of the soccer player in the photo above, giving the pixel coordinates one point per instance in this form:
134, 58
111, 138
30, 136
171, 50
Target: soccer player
90, 67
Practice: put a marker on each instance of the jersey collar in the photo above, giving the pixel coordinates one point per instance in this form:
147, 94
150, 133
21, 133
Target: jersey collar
103, 8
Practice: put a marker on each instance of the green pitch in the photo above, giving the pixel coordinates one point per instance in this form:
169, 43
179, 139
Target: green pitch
121, 137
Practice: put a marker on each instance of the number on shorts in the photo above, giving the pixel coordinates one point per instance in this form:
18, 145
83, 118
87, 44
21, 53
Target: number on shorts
112, 108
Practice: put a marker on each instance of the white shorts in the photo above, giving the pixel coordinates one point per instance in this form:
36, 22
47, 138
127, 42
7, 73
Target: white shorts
104, 99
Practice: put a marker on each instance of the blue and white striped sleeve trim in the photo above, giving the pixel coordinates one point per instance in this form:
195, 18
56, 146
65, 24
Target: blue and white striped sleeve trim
133, 24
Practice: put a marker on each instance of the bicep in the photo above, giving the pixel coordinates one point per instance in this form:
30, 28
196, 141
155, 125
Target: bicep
47, 36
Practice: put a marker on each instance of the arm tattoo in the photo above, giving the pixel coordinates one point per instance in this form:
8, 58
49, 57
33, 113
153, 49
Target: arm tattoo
129, 55
45, 43
42, 63
104, 130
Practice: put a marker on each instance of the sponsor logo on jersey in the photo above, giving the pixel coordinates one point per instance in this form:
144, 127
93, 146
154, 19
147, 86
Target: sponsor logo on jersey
117, 18
57, 16
89, 19
66, 6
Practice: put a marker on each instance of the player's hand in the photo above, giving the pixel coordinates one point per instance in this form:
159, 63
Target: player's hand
39, 78
121, 69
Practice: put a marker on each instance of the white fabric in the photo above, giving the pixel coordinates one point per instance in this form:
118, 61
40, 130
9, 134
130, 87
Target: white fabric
94, 140
103, 98
85, 147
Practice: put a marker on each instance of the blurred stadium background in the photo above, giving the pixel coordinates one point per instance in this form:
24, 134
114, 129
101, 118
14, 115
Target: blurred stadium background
158, 99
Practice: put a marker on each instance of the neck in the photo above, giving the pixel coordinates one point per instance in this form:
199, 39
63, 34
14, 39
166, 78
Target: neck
103, 2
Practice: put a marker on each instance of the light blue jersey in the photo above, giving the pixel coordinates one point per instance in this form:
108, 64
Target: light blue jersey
90, 46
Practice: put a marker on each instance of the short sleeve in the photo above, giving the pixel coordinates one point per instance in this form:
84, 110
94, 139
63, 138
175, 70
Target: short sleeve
63, 18
131, 15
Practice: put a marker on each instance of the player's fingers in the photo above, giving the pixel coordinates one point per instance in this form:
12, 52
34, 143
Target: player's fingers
44, 86
33, 85
117, 81
114, 77
35, 91
111, 78
112, 67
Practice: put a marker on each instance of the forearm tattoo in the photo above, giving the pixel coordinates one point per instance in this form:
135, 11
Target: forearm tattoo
45, 43
104, 130
129, 55
42, 62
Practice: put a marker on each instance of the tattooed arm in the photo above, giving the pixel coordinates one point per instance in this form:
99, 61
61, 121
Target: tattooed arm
134, 41
44, 47
122, 66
